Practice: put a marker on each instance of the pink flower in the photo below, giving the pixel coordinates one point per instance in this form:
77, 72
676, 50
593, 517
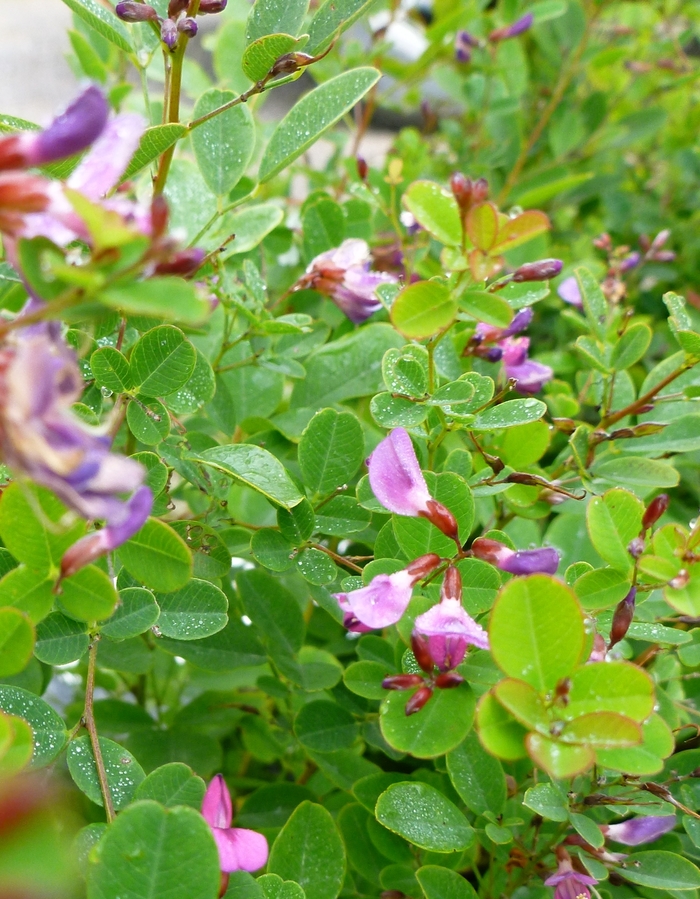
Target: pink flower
384, 600
447, 627
569, 883
529, 376
569, 291
398, 483
524, 561
343, 275
239, 849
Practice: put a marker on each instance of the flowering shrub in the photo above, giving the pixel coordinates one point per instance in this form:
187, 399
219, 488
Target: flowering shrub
350, 541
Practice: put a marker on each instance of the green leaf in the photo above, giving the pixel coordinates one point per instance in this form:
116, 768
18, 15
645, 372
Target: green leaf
536, 631
48, 729
559, 760
223, 145
276, 888
162, 361
486, 307
272, 549
602, 588
324, 726
199, 609
425, 817
342, 516
499, 732
603, 730
636, 471
257, 468
148, 420
157, 557
30, 538
439, 727
154, 142
312, 115
88, 595
169, 298
274, 16
442, 883
323, 224
172, 785
631, 347
406, 370
436, 210
417, 536
547, 800
136, 612
661, 870
60, 640
16, 641
331, 451
520, 230
610, 687
477, 776
309, 851
346, 368
391, 412
509, 414
29, 591
102, 21
316, 567
274, 611
320, 670
594, 303
613, 520
199, 389
111, 370
250, 225
334, 17
154, 851
365, 679
423, 309
124, 773
260, 55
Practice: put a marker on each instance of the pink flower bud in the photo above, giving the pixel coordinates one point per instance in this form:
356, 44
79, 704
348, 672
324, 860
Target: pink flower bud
418, 700
542, 270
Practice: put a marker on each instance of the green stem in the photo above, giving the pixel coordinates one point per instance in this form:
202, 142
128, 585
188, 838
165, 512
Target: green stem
171, 109
89, 723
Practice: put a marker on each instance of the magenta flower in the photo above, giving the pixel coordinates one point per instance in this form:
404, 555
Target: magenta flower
520, 562
384, 600
447, 629
636, 831
568, 883
343, 275
569, 291
529, 376
239, 849
42, 438
398, 483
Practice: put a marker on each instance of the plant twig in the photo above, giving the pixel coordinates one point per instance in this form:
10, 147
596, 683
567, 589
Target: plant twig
88, 722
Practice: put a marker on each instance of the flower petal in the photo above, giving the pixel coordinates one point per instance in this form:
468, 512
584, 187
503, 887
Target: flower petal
75, 129
240, 849
216, 805
107, 160
382, 602
395, 475
640, 830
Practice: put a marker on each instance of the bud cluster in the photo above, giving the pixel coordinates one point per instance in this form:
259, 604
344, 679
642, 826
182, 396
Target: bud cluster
177, 21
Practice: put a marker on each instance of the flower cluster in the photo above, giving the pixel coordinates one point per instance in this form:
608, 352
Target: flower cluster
466, 42
177, 21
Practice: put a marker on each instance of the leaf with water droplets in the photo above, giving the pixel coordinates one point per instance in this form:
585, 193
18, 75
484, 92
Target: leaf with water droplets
312, 115
224, 144
425, 817
509, 414
47, 725
257, 468
124, 773
197, 610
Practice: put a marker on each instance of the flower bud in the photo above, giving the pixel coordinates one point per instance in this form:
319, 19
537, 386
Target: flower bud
487, 550
131, 11
622, 618
442, 518
655, 510
463, 46
423, 566
362, 168
462, 190
418, 700
660, 239
183, 263
517, 28
452, 584
448, 680
680, 580
630, 261
159, 215
187, 26
542, 270
175, 7
421, 651
636, 547
402, 681
168, 33
209, 7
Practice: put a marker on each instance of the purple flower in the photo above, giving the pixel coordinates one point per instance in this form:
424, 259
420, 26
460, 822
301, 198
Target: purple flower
569, 291
489, 333
464, 42
71, 132
521, 562
568, 883
188, 26
636, 831
384, 600
343, 275
529, 376
448, 628
239, 849
518, 27
169, 33
131, 11
41, 437
630, 261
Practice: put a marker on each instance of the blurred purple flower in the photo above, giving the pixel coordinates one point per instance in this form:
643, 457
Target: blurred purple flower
569, 291
630, 261
518, 27
464, 42
521, 320
447, 627
521, 562
42, 438
636, 831
568, 883
239, 849
384, 600
343, 275
530, 376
